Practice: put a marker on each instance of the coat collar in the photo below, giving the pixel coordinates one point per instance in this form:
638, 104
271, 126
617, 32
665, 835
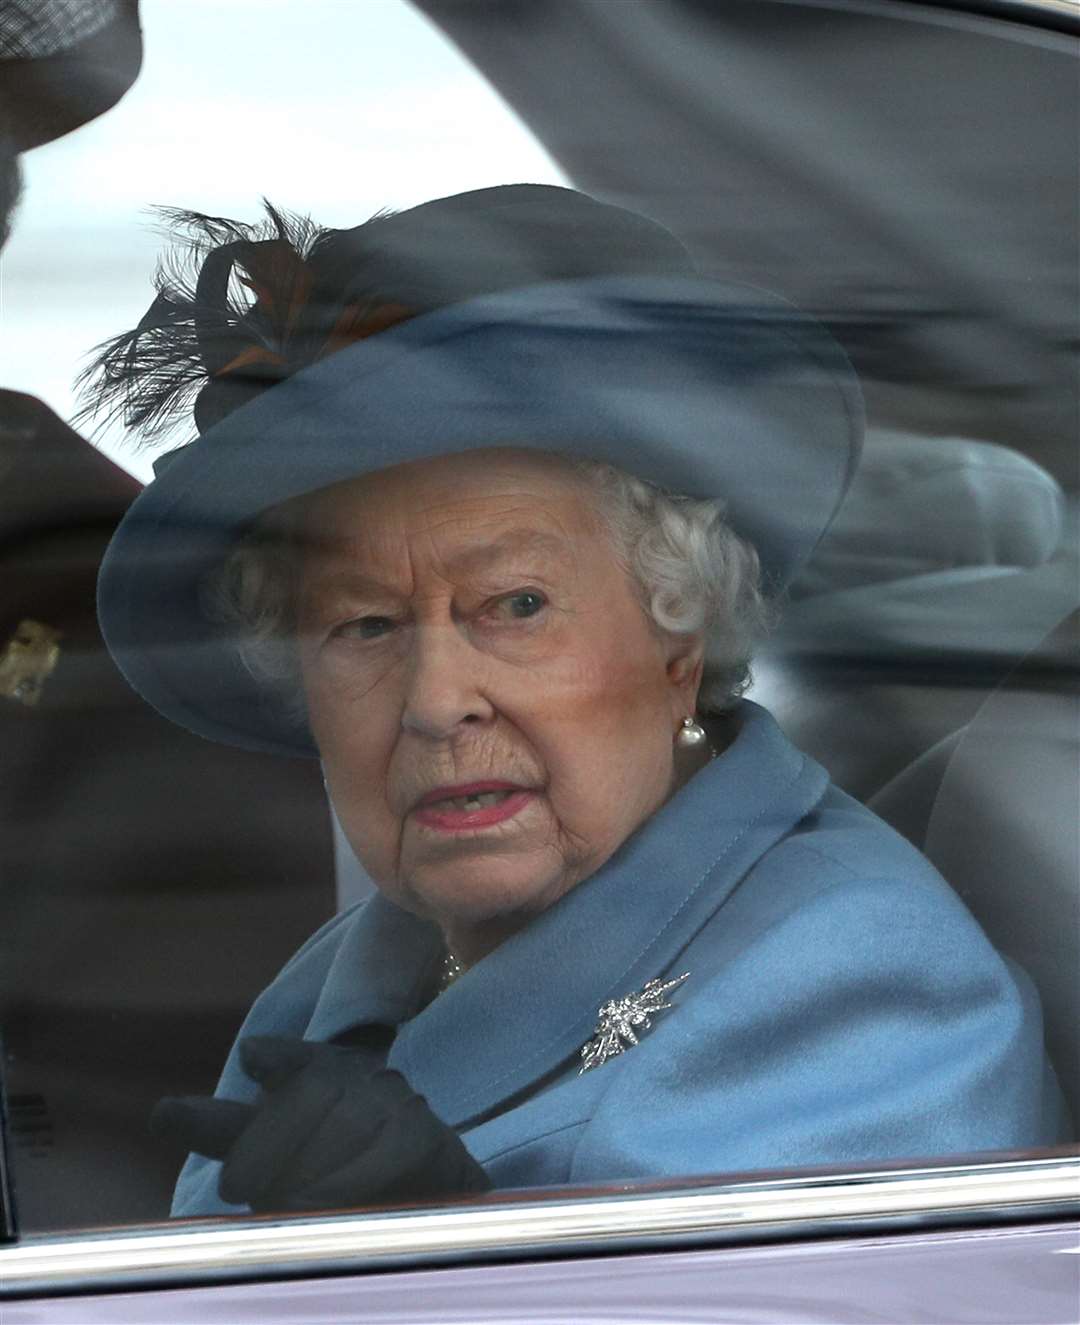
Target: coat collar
531, 1004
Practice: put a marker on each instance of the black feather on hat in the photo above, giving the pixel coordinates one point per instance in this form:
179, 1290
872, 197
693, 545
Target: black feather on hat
232, 315
240, 306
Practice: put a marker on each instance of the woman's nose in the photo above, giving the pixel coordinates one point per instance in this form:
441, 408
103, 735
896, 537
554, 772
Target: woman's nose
444, 692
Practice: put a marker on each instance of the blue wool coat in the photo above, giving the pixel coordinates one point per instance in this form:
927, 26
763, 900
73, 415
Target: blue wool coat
842, 1004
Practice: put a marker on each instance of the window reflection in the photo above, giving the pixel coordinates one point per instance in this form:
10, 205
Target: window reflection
490, 504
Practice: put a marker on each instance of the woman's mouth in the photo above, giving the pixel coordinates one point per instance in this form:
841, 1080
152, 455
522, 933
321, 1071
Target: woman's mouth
477, 805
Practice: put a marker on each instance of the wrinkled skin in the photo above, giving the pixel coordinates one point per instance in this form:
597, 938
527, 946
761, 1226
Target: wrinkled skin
463, 619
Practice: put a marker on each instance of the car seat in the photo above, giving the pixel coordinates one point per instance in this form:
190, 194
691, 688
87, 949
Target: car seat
994, 807
948, 562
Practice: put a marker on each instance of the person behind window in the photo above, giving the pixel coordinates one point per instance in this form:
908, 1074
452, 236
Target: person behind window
93, 854
489, 501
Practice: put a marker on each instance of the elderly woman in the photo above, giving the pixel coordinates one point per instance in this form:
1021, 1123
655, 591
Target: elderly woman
494, 547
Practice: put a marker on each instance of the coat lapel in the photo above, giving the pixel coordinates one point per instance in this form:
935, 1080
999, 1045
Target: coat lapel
383, 969
529, 1007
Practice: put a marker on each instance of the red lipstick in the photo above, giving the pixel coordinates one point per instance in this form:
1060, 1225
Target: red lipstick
471, 805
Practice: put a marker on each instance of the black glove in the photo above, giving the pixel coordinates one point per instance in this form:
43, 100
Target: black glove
327, 1132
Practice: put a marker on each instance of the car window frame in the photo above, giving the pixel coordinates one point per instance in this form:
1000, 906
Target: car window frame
1013, 1188
998, 1189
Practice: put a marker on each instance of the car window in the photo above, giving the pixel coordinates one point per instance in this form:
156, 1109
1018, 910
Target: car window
891, 192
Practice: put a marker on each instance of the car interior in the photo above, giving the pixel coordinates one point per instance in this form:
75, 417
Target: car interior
927, 653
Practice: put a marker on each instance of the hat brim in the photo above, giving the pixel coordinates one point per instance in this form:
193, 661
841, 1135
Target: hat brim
698, 385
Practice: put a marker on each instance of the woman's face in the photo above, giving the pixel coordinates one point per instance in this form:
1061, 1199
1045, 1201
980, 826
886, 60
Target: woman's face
494, 710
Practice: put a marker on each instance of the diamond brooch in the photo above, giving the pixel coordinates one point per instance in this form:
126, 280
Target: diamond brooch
622, 1019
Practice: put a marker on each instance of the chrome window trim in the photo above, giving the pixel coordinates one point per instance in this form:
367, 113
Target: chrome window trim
1071, 8
1032, 8
1063, 15
851, 1204
1033, 17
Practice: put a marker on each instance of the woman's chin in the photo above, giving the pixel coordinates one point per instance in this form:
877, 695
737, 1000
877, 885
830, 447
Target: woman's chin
480, 893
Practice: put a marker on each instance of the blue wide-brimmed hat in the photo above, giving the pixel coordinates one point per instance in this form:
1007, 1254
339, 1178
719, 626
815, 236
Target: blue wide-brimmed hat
696, 384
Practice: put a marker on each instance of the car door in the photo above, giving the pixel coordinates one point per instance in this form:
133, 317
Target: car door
906, 172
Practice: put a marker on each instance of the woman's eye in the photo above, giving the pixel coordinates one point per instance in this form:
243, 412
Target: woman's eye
365, 628
527, 603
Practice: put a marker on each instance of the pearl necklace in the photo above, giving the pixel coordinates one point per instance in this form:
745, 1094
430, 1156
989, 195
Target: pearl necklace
452, 968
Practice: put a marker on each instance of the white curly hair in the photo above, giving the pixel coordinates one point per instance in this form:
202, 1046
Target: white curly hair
692, 572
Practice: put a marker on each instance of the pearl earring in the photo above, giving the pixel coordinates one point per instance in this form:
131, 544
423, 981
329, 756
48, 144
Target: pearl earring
691, 734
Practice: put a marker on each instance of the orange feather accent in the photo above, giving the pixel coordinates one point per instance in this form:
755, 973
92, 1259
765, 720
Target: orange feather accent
358, 321
280, 280
253, 354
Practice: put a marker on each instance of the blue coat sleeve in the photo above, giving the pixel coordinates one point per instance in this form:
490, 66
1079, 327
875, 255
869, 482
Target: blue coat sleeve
873, 1021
